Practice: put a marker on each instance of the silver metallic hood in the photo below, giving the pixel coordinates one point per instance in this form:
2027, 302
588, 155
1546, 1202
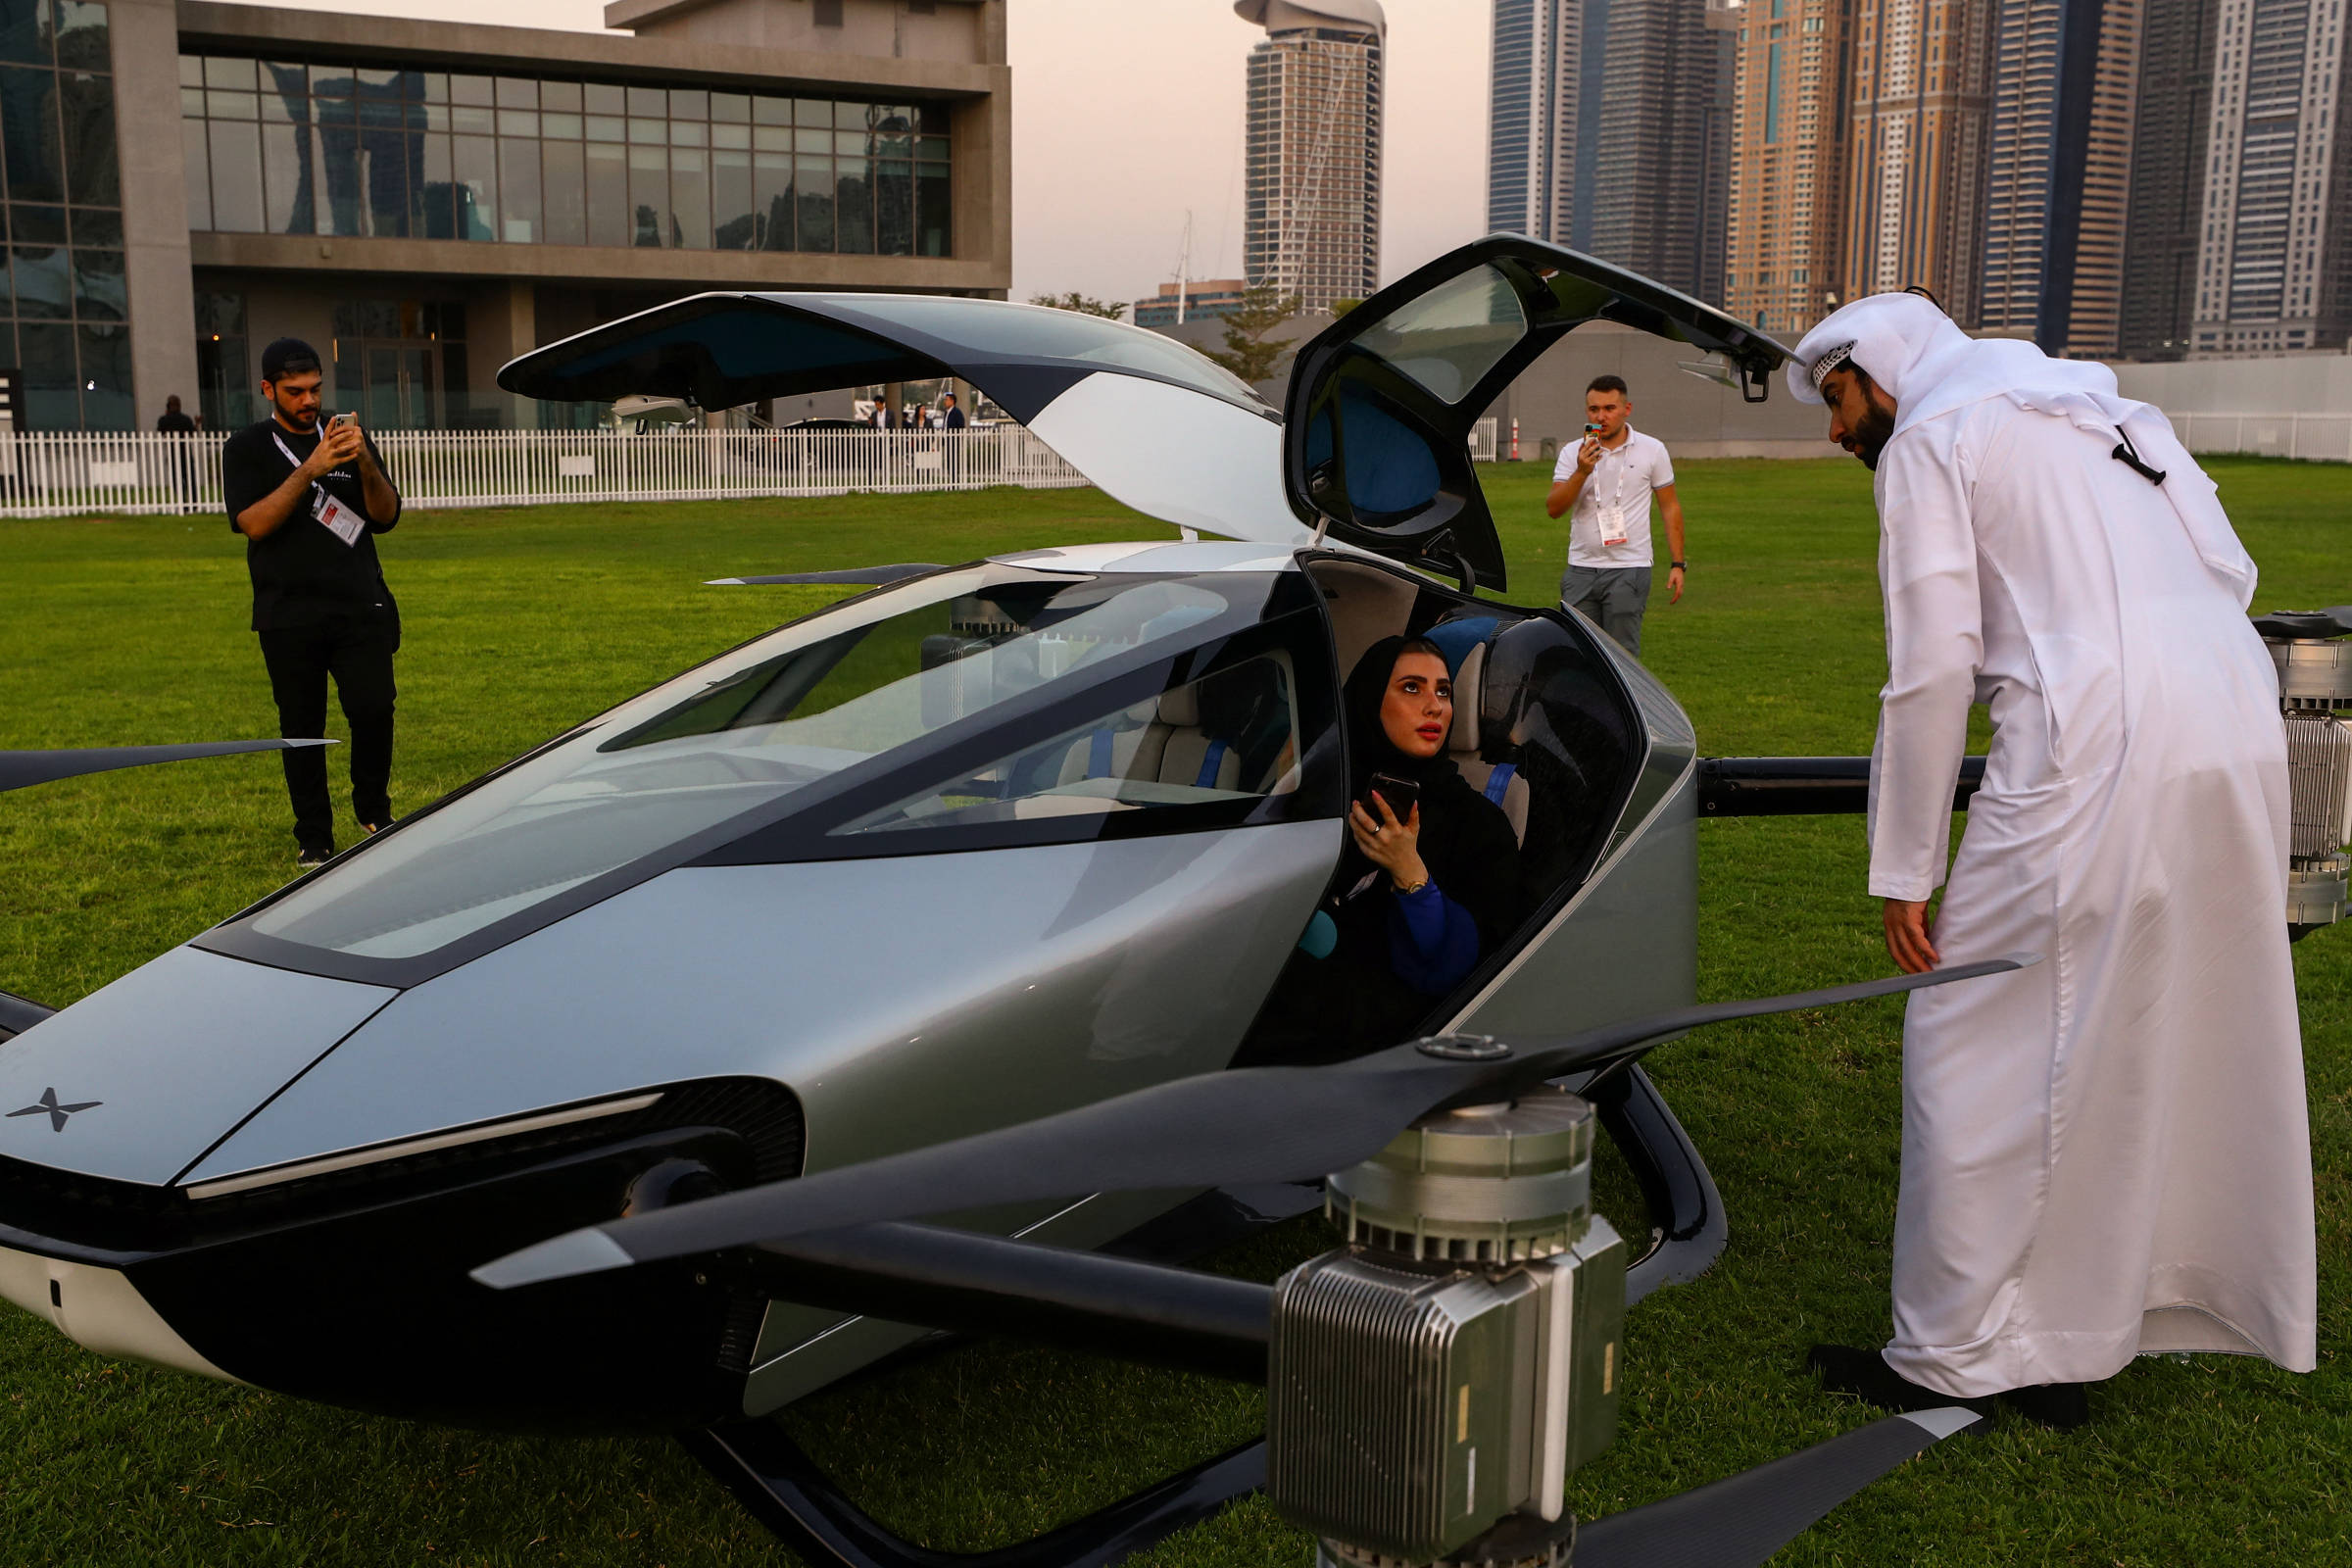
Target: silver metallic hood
134, 1082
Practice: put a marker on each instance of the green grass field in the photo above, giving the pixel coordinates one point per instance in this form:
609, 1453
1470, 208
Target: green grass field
520, 623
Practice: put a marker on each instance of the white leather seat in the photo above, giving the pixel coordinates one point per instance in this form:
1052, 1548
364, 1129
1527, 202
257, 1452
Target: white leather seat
1506, 788
1164, 741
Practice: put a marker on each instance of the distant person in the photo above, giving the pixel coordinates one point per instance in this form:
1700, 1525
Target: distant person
309, 503
182, 463
951, 418
1606, 481
2108, 1154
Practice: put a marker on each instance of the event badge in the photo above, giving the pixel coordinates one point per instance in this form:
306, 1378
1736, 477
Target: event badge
1614, 528
345, 523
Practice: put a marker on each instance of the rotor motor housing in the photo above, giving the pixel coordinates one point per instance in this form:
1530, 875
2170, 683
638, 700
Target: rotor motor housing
1440, 1375
2314, 697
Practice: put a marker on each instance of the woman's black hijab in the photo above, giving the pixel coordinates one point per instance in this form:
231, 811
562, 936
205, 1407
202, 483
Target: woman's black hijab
1466, 841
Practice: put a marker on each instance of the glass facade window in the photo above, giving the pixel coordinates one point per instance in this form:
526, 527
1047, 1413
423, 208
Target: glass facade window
320, 148
65, 309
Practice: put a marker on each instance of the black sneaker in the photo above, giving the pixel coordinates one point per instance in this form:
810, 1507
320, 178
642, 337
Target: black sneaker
310, 857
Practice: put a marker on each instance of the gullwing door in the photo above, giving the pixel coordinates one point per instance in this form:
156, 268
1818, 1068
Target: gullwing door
1377, 425
1143, 417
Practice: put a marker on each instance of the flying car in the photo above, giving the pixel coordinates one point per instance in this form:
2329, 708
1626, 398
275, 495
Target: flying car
987, 845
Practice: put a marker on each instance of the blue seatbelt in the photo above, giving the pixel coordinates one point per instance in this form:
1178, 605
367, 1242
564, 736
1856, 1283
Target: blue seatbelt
1098, 756
1209, 766
1498, 783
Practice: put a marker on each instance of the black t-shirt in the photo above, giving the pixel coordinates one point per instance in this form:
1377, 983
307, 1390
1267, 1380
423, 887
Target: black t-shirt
303, 575
176, 425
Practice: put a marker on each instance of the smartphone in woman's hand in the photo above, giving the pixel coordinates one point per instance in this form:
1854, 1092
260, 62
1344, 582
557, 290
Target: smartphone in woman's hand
1401, 794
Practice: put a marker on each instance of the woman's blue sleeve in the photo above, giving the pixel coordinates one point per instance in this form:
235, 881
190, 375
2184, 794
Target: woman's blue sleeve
1433, 942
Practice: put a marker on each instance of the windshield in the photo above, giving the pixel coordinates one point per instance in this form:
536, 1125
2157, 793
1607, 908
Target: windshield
761, 723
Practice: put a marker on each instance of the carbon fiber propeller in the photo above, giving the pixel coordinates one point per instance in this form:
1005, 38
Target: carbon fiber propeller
1742, 1520
17, 770
1259, 1124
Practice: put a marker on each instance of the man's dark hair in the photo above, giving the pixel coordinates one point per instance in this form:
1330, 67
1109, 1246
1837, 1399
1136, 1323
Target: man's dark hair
1608, 383
288, 356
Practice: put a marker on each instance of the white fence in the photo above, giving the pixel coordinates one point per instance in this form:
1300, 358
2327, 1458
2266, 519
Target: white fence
63, 474
2324, 437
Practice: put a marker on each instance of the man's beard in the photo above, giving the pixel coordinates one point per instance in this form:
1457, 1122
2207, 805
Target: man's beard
1871, 434
302, 419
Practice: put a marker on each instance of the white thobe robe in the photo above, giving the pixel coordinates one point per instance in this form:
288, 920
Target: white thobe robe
2109, 1152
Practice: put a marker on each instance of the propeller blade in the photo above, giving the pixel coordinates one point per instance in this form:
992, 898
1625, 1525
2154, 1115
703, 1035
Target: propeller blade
1251, 1124
1742, 1520
18, 769
869, 576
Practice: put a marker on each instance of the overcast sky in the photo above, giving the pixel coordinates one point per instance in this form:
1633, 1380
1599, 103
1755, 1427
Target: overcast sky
1127, 113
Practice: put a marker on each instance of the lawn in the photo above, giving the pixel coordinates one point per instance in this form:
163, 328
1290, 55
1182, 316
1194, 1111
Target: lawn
521, 622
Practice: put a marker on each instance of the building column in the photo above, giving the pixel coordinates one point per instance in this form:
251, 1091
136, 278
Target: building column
162, 297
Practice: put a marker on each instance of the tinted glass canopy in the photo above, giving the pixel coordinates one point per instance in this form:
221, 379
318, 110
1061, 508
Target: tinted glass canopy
1381, 405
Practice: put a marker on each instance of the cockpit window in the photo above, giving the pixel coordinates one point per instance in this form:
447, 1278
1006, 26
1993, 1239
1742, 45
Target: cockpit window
1451, 337
779, 720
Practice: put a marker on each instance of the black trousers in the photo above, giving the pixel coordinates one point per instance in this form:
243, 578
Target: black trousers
359, 655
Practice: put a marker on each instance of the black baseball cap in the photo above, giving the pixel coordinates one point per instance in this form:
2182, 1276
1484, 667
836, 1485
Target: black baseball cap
288, 354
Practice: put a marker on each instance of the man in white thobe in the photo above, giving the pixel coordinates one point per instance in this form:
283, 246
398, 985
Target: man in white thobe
2108, 1154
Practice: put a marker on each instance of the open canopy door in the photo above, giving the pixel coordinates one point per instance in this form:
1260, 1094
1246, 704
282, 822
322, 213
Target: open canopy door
1376, 438
1152, 423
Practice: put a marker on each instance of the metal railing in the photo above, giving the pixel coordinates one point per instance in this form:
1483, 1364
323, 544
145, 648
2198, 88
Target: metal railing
58, 474
2323, 437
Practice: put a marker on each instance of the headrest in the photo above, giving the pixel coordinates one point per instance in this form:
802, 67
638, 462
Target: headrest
1469, 680
1180, 707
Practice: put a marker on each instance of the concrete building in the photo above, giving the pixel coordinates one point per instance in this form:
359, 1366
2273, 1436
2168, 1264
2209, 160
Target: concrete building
1311, 180
2065, 79
1916, 150
2275, 267
1202, 297
1788, 161
424, 200
2168, 176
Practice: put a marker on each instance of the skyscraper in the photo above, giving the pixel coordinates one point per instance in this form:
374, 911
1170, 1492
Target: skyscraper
2168, 176
1609, 130
1915, 183
1311, 194
2274, 273
1788, 126
2066, 81
1531, 119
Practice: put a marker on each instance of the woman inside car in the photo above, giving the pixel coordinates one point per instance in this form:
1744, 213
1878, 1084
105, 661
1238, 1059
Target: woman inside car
1426, 885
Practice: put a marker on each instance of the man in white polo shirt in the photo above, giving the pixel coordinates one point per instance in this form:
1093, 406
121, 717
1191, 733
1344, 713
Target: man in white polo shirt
1606, 480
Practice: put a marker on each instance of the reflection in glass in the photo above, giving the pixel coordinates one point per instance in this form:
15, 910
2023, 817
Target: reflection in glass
286, 178
106, 403
894, 208
438, 192
690, 198
732, 226
608, 218
566, 204
338, 141
853, 211
384, 156
604, 98
52, 393
236, 159
29, 126
199, 166
99, 294
221, 72
44, 283
812, 182
470, 90
99, 227
771, 200
649, 195
1446, 339
86, 105
518, 92
933, 216
560, 95
24, 34
474, 163
518, 190
82, 35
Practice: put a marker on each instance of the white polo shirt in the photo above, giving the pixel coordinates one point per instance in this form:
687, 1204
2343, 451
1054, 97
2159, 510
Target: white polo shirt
1623, 481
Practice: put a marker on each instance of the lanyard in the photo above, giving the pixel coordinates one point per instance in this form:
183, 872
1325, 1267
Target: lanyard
287, 452
1625, 462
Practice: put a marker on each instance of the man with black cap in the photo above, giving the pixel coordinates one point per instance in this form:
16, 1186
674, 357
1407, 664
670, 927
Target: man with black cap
310, 502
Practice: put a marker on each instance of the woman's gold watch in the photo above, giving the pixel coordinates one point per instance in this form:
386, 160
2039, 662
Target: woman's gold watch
1405, 891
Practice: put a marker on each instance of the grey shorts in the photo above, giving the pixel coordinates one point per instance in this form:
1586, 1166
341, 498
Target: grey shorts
1612, 596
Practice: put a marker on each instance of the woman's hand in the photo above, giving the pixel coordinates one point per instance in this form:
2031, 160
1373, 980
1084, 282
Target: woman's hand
1393, 845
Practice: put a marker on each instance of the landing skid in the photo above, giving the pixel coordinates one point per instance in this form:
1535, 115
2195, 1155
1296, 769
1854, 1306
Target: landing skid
784, 1489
